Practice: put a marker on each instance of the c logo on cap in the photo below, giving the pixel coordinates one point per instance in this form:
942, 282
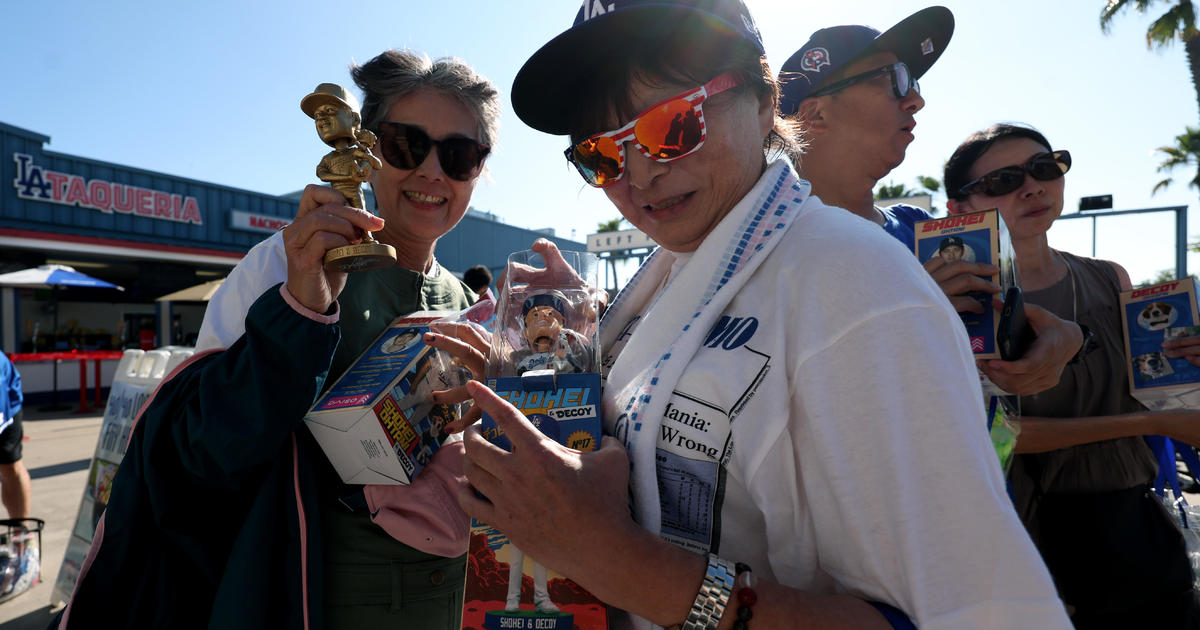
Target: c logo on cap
814, 59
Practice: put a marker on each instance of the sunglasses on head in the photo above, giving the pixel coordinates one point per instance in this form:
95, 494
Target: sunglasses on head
406, 147
1042, 167
667, 131
902, 80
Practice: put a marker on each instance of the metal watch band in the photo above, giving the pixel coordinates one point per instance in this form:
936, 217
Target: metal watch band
713, 596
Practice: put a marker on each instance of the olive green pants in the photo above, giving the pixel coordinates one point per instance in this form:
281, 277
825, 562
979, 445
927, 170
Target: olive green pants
375, 582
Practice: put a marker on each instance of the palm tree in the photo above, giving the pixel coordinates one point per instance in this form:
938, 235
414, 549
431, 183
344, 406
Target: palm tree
932, 184
1179, 22
1185, 152
927, 184
893, 191
612, 225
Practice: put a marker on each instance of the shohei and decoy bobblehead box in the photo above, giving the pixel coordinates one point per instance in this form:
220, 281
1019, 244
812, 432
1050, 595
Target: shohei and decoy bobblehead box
545, 361
377, 424
979, 237
1150, 316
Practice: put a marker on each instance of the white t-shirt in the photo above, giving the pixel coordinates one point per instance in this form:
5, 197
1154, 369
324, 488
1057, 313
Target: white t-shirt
829, 433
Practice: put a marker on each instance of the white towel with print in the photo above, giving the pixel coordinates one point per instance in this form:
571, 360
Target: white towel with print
671, 324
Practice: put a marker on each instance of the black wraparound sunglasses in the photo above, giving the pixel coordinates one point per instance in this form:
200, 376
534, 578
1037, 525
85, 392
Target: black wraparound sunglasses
1043, 167
406, 147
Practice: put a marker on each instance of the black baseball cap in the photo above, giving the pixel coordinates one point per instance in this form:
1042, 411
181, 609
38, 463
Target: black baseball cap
950, 241
543, 90
917, 40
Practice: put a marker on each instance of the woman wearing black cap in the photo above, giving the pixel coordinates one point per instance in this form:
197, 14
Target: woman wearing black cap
1082, 484
779, 474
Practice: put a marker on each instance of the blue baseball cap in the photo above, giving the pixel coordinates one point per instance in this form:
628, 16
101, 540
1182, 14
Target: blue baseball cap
917, 40
544, 87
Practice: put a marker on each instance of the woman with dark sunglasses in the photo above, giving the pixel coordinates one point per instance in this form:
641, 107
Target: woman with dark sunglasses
225, 513
1081, 483
767, 464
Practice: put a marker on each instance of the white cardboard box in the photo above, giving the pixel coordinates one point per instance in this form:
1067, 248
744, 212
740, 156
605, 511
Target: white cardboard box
377, 424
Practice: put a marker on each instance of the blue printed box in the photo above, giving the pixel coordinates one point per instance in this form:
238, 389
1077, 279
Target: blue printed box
566, 408
979, 237
1150, 316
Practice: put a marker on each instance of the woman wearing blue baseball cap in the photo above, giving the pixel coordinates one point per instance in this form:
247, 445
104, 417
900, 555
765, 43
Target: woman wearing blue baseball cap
769, 461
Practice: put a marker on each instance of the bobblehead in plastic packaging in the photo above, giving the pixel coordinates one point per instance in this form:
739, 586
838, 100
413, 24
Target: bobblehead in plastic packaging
978, 237
377, 424
1150, 316
545, 361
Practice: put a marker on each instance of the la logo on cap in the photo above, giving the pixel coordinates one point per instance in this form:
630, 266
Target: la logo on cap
814, 59
593, 8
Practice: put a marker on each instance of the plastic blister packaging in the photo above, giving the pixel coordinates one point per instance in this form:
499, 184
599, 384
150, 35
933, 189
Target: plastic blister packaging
20, 555
1187, 518
544, 360
547, 316
1004, 428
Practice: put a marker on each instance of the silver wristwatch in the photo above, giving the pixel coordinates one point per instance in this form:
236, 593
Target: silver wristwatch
713, 596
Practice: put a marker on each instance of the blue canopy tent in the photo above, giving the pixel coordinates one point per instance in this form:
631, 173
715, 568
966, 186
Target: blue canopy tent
50, 276
53, 277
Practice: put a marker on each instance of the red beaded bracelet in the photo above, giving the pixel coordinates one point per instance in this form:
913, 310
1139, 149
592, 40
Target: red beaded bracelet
743, 586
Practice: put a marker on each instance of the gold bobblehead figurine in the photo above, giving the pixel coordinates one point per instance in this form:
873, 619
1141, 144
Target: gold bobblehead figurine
346, 167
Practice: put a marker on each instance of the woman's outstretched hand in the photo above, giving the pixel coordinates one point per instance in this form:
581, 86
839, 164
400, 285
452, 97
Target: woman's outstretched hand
559, 505
469, 346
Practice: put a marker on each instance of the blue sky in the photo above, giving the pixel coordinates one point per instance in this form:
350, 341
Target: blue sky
211, 91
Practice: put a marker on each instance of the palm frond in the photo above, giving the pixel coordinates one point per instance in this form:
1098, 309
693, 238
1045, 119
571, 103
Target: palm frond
612, 225
1175, 24
1172, 157
1178, 22
932, 184
892, 191
1185, 152
1109, 12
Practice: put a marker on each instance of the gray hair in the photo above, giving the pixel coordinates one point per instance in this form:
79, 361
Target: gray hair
394, 74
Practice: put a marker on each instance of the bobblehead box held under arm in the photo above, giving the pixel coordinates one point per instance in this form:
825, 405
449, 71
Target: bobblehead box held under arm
377, 424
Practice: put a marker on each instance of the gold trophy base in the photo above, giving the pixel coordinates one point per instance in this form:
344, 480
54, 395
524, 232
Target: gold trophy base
360, 257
